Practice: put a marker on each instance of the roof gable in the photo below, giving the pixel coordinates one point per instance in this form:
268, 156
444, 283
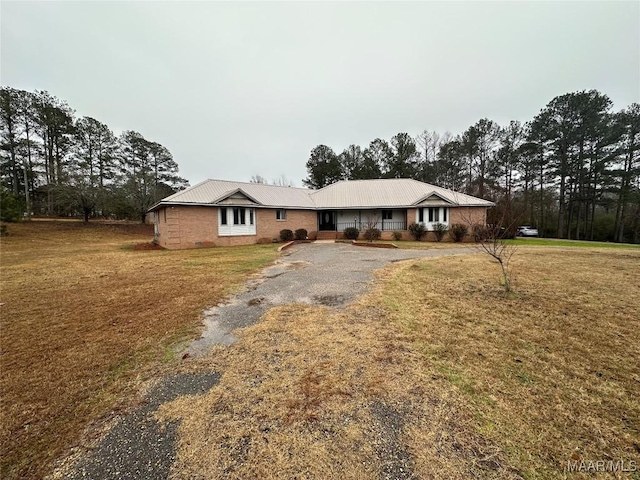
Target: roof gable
434, 199
236, 197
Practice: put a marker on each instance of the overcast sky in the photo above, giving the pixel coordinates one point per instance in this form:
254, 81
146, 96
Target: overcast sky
239, 89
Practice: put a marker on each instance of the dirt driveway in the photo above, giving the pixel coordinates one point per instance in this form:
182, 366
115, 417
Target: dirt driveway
318, 273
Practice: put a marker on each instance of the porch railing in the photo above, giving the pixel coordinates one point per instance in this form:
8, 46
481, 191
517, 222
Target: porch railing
385, 225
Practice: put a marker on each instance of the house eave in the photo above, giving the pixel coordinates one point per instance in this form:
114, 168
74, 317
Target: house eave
316, 208
217, 205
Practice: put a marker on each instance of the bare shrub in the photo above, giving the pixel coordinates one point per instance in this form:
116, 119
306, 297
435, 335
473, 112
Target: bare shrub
417, 231
458, 231
440, 230
372, 234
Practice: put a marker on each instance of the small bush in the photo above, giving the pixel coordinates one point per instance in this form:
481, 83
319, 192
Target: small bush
351, 233
372, 234
301, 234
286, 235
396, 235
439, 230
417, 231
458, 231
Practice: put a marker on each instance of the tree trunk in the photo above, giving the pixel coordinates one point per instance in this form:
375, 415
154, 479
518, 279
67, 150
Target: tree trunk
561, 207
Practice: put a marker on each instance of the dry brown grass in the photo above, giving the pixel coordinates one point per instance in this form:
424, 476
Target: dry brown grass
85, 319
311, 392
552, 373
436, 366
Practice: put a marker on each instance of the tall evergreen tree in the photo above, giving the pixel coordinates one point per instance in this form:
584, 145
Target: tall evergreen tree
403, 160
450, 171
10, 138
626, 171
54, 125
323, 168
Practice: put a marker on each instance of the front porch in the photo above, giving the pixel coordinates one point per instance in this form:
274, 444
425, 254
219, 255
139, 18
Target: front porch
332, 223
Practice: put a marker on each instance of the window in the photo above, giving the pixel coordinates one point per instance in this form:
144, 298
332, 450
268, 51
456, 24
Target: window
432, 215
281, 214
236, 221
387, 215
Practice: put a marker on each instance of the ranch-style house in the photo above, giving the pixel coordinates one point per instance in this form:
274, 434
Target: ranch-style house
222, 213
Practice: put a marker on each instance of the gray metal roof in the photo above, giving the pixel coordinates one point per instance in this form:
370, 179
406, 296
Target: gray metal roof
379, 193
391, 192
214, 191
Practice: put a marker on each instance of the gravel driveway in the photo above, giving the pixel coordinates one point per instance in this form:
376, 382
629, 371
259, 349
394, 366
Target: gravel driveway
333, 274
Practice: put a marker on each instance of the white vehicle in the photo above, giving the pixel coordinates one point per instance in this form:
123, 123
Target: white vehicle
526, 231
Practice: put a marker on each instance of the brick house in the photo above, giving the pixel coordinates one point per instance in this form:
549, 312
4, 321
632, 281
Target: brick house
219, 212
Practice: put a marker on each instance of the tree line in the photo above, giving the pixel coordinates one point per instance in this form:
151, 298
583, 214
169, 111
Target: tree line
573, 171
52, 163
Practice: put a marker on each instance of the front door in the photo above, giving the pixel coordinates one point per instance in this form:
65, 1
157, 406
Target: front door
327, 221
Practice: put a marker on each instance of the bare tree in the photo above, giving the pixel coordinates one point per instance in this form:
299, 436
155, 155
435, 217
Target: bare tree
491, 240
258, 179
282, 181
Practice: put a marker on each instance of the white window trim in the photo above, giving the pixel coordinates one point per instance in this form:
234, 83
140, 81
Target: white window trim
231, 229
430, 225
282, 218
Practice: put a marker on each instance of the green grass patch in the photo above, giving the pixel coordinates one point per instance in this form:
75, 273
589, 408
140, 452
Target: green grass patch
553, 242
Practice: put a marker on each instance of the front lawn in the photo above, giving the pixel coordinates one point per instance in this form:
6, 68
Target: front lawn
539, 242
436, 373
86, 320
555, 242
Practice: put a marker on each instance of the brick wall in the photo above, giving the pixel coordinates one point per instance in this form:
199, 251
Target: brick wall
468, 216
192, 227
187, 227
268, 227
